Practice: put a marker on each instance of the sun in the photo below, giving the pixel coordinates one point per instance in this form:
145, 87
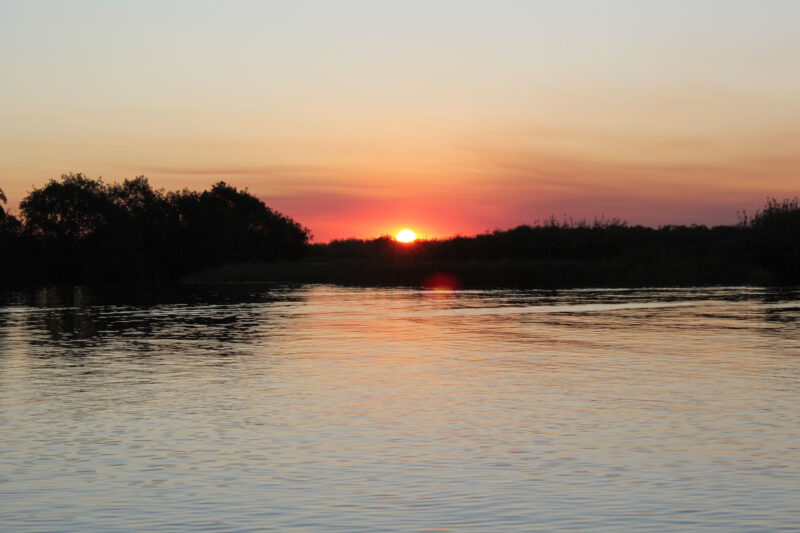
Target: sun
406, 235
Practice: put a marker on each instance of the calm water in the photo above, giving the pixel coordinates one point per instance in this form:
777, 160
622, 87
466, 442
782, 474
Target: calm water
323, 408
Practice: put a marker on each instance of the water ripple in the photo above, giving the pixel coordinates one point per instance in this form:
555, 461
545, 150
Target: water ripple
321, 408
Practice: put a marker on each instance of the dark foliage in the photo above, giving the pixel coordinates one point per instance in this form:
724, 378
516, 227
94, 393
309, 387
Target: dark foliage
3, 199
762, 250
78, 229
774, 233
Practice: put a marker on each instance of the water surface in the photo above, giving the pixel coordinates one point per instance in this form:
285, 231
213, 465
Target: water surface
324, 408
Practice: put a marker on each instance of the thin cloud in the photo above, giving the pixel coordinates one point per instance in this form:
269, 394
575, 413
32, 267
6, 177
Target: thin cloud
261, 170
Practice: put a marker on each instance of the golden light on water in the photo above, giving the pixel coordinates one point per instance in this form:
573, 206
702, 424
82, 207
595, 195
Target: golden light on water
406, 235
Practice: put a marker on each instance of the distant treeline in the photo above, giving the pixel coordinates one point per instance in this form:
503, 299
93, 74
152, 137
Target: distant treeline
81, 230
762, 249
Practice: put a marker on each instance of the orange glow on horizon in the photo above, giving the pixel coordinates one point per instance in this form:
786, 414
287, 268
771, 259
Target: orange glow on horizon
353, 129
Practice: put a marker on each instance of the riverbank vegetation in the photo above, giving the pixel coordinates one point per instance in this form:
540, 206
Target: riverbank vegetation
82, 230
79, 230
762, 249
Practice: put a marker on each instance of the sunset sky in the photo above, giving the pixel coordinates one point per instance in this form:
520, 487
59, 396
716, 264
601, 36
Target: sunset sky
358, 118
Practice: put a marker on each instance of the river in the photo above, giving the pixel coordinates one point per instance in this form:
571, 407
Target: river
322, 408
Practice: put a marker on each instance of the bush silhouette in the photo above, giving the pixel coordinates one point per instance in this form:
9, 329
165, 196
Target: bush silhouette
81, 229
78, 230
775, 236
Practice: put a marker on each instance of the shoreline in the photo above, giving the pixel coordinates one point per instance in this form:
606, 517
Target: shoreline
499, 274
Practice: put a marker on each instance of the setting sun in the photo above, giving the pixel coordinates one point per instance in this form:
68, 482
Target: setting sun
406, 235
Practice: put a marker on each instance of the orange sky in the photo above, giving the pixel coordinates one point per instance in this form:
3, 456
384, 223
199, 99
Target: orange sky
358, 118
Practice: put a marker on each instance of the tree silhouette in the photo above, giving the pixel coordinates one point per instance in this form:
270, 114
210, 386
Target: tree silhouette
81, 230
130, 231
73, 208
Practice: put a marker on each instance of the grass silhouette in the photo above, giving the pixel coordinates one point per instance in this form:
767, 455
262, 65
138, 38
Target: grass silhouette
81, 230
557, 254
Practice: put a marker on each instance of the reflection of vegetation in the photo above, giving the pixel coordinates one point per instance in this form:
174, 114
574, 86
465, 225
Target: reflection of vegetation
78, 229
761, 250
